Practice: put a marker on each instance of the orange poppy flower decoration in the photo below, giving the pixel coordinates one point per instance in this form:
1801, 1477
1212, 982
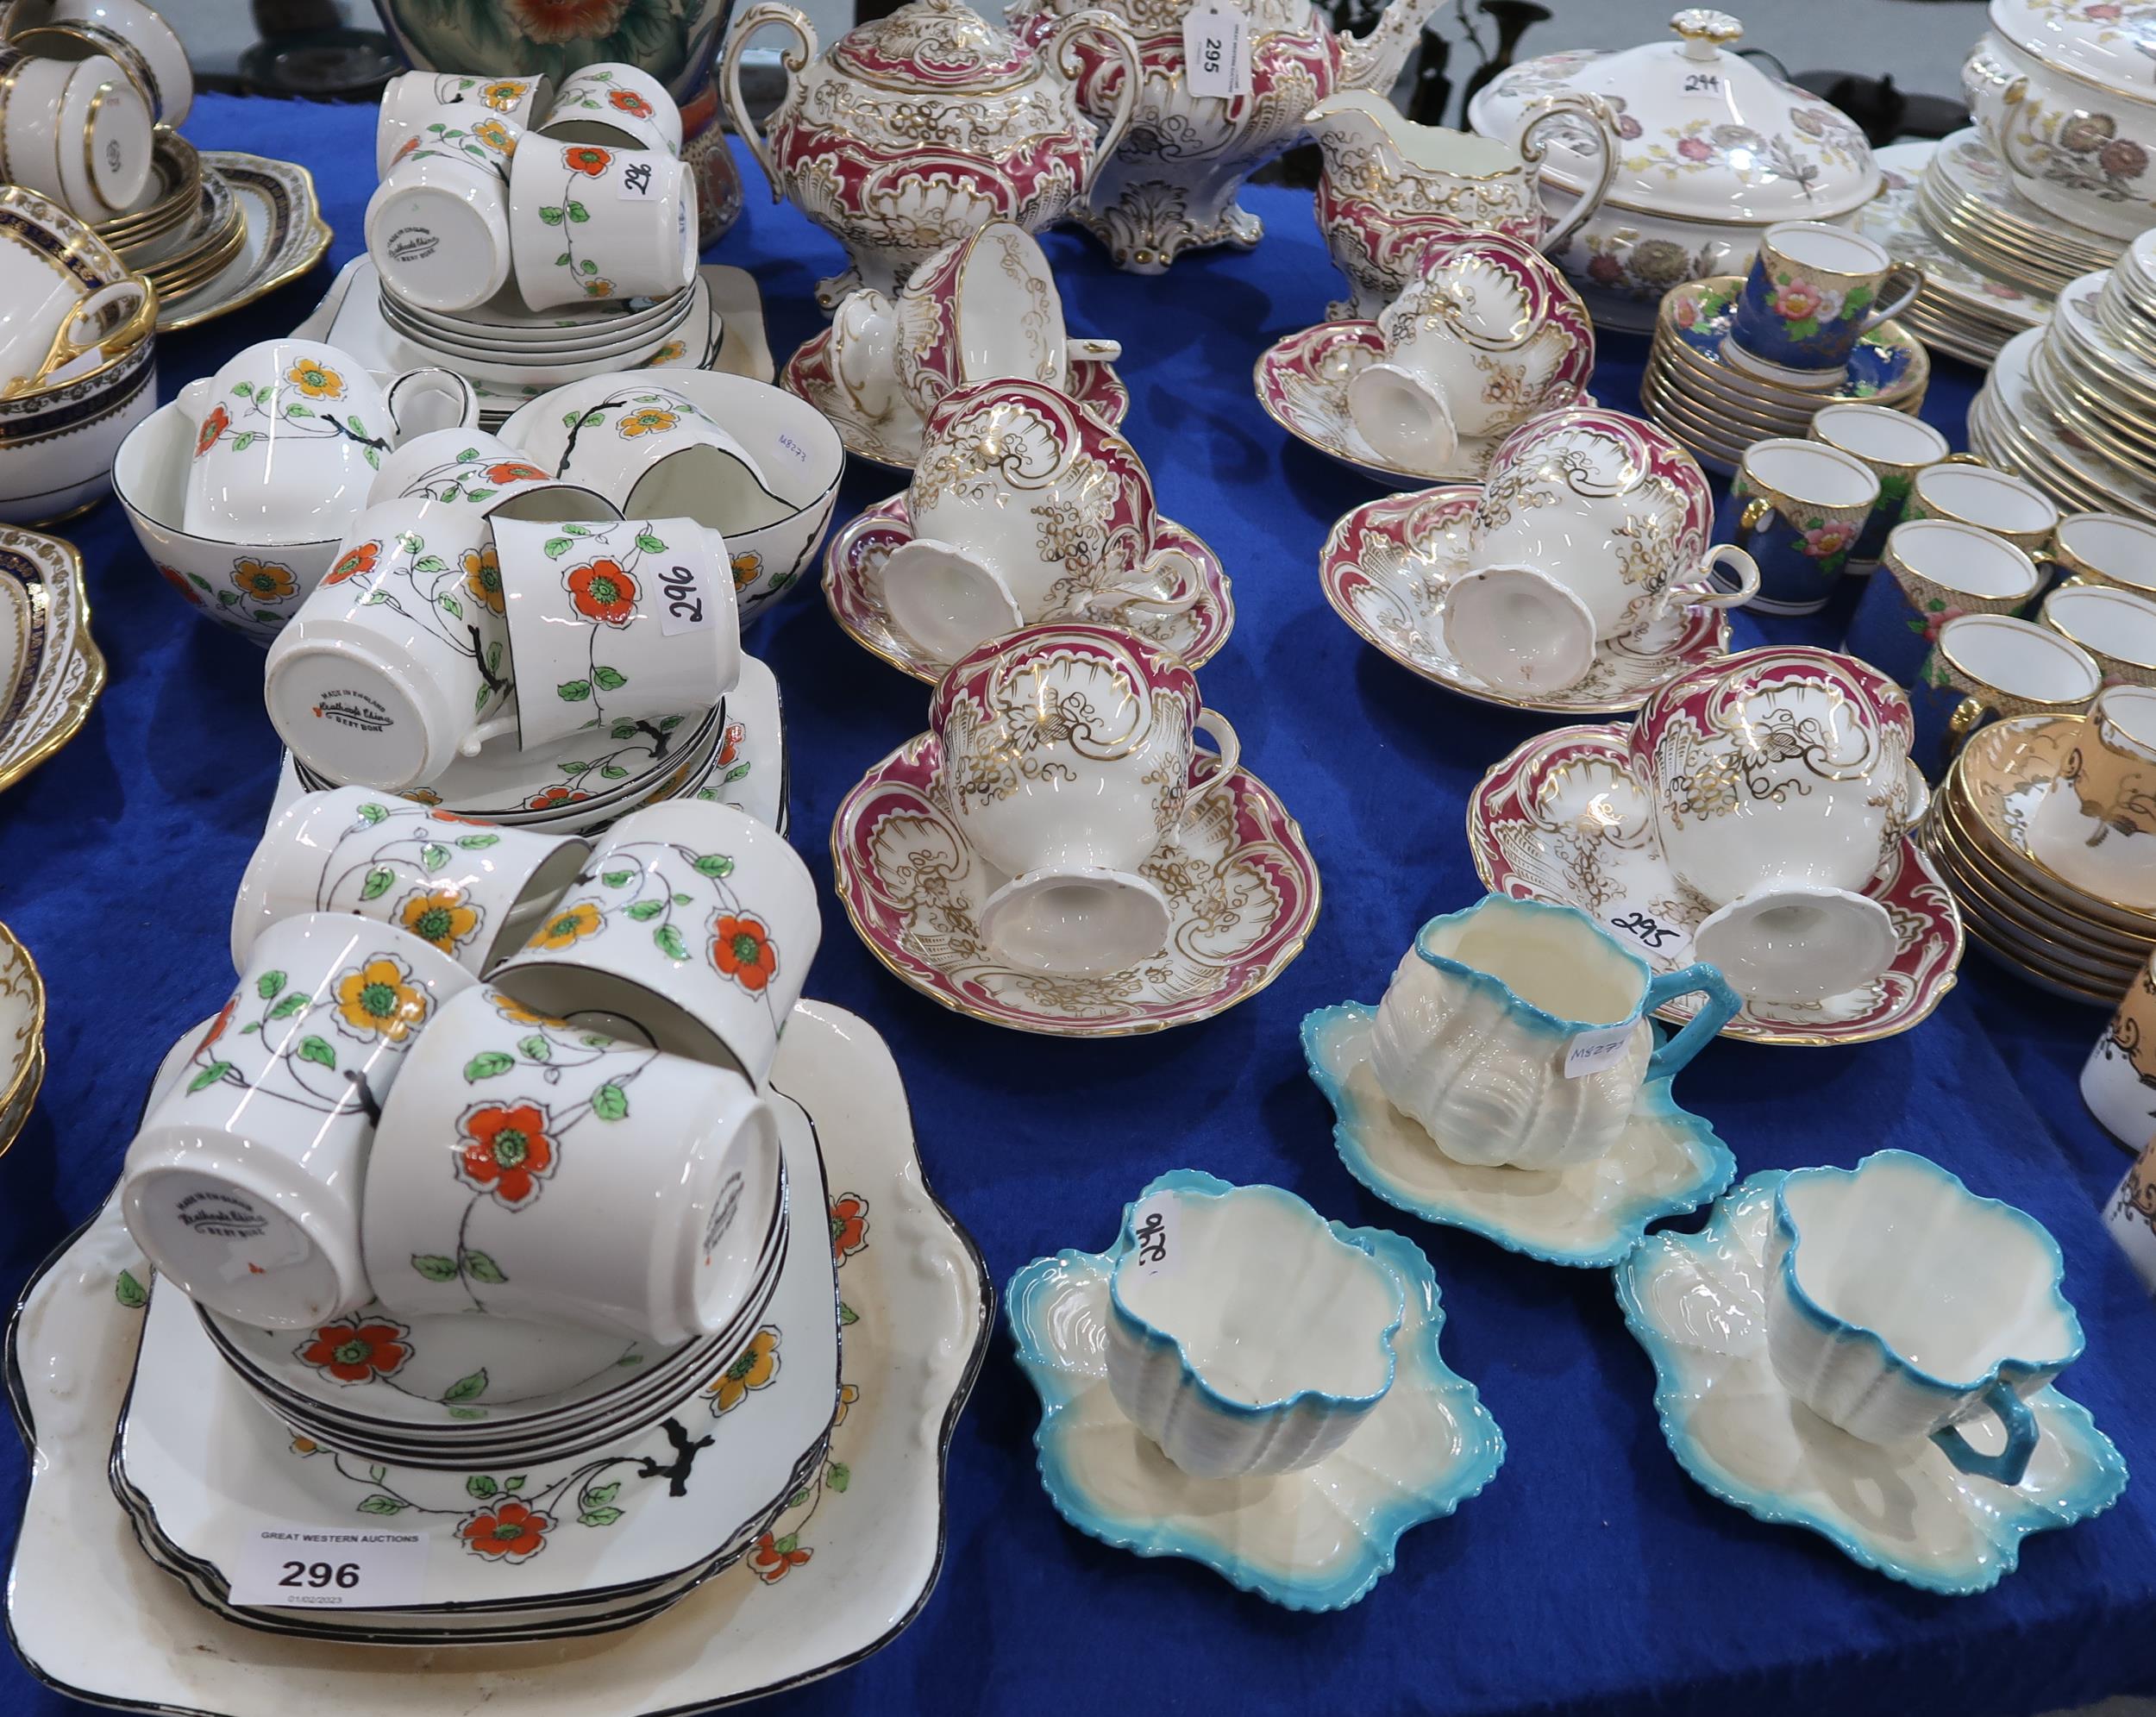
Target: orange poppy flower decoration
602, 591
508, 1531
775, 1558
353, 562
503, 1150
586, 160
742, 950
214, 425
356, 1352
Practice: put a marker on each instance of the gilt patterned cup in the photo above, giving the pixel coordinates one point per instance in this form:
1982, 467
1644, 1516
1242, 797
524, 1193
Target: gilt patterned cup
2118, 1082
1814, 290
1069, 756
1931, 571
2131, 1215
472, 891
1026, 508
529, 1168
691, 929
242, 1186
1986, 666
1779, 780
1897, 446
1801, 507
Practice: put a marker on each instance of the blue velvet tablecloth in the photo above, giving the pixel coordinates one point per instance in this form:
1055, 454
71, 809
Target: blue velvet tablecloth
1592, 1574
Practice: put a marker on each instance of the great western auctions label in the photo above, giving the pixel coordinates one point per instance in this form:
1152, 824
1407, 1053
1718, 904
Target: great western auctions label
1217, 52
311, 1568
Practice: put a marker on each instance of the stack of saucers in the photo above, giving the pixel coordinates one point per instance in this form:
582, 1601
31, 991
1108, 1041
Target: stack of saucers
2052, 881
2072, 407
1717, 409
502, 342
187, 226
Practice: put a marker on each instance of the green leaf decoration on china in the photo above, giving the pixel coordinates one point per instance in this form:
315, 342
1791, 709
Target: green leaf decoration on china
209, 1075
293, 1002
379, 881
551, 216
451, 606
574, 691
847, 1314
296, 409
839, 1474
578, 213
466, 1388
317, 1050
613, 772
244, 389
431, 563
681, 899
576, 768
535, 1047
610, 1103
435, 1267
432, 857
513, 1485
670, 943
129, 1292
650, 544
478, 702
268, 984
645, 911
599, 1517
617, 879
479, 1485
241, 442
600, 1496
737, 772
468, 1412
491, 1065
610, 678
625, 730
562, 261
477, 844
671, 723
379, 1504
481, 1268
714, 864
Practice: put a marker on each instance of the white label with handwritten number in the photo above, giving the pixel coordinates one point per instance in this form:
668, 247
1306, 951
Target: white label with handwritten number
1157, 1245
1217, 52
310, 1568
1592, 1051
683, 606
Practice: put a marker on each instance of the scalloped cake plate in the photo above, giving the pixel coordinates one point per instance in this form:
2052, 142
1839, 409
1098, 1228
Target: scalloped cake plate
1697, 1303
1317, 1539
1667, 1161
841, 1572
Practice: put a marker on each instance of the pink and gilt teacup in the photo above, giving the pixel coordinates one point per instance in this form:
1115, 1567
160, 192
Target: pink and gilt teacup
1779, 783
1025, 509
1069, 756
1592, 526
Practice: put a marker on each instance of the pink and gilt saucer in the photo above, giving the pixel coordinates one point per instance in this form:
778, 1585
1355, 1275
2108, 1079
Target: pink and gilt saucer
894, 439
1242, 890
1302, 382
1385, 568
1564, 818
856, 602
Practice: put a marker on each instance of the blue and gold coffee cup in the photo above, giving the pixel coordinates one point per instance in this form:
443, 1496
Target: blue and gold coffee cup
1986, 666
1895, 444
1933, 571
1813, 292
1800, 507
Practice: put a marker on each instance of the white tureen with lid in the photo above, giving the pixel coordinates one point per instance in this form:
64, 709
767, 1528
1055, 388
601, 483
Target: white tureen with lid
1712, 150
2063, 92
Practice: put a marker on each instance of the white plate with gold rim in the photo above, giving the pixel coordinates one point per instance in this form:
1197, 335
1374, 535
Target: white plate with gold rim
21, 1036
286, 237
50, 670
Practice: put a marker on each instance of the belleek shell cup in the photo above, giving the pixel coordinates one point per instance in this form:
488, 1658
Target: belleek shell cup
1069, 754
1591, 526
1778, 782
1517, 1033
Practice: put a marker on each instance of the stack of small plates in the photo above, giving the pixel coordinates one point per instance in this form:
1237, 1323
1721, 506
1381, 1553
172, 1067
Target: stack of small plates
1717, 409
504, 341
185, 228
1992, 261
2073, 914
2072, 407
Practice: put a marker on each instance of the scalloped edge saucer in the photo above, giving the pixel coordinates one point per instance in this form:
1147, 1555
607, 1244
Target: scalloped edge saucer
1668, 1163
1196, 634
1710, 1364
1109, 1481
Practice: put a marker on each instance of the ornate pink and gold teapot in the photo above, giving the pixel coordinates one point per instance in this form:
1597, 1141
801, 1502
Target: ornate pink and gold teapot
920, 128
1171, 187
1389, 185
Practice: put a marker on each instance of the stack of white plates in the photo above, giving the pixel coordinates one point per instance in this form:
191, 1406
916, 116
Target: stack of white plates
504, 341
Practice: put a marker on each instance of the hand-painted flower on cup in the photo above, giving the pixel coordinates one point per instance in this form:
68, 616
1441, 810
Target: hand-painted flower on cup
1813, 291
1800, 507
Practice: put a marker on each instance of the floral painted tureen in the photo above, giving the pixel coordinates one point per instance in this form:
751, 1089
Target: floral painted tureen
1171, 187
2065, 94
1712, 151
920, 128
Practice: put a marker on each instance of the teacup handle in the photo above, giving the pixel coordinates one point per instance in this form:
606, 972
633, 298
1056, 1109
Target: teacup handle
1912, 279
1968, 716
1185, 588
1215, 726
1723, 1004
66, 346
1758, 513
2010, 1465
1703, 588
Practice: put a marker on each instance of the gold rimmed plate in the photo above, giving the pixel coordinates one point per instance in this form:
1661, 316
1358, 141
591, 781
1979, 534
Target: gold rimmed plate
21, 1036
286, 237
50, 670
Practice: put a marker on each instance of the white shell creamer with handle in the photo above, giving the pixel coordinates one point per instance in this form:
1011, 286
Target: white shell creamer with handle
1516, 1033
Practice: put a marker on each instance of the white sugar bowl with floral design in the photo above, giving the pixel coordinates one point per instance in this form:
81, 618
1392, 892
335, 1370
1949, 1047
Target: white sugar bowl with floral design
913, 129
1713, 151
2064, 93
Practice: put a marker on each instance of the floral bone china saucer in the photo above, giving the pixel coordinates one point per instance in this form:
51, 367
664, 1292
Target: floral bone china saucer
1314, 1538
1385, 570
1241, 888
841, 1572
1668, 1162
856, 598
1564, 818
895, 440
1302, 382
1697, 1303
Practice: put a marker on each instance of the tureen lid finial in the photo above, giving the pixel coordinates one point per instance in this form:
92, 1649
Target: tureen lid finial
1704, 29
